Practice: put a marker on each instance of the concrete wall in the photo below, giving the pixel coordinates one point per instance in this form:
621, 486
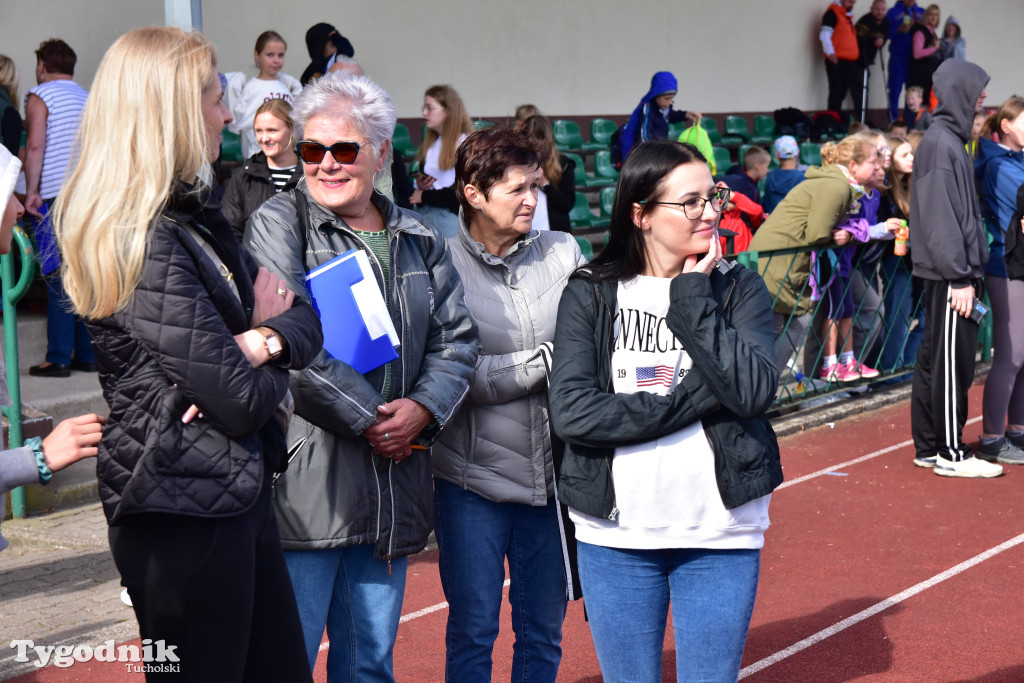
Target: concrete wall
572, 57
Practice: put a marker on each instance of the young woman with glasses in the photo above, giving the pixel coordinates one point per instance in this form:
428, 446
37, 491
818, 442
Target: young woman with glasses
663, 368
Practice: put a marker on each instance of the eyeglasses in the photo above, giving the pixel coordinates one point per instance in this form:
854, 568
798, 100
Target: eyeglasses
694, 208
313, 152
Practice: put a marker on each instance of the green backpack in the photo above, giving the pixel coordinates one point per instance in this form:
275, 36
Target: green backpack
698, 137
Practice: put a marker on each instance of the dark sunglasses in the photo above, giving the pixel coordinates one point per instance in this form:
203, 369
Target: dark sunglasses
313, 152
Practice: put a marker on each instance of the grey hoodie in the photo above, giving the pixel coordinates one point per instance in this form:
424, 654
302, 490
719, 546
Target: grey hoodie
955, 48
946, 231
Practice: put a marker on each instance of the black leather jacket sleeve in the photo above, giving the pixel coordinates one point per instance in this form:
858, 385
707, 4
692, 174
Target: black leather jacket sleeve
733, 352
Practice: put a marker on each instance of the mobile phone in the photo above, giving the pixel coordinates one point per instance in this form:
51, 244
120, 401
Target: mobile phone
978, 311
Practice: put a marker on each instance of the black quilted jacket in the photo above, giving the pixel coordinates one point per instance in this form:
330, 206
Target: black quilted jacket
173, 346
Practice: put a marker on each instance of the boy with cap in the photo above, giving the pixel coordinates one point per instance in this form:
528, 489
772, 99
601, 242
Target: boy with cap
781, 180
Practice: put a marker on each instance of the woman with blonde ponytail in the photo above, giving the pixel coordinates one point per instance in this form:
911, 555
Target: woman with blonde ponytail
194, 345
808, 216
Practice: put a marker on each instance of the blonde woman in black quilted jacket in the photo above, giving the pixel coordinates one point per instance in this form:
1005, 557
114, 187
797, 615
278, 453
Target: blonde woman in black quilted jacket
194, 345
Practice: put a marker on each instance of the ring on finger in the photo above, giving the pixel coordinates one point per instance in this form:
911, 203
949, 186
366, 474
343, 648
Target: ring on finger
282, 291
387, 437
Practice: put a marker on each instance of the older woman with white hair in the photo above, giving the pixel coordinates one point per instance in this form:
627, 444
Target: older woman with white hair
357, 498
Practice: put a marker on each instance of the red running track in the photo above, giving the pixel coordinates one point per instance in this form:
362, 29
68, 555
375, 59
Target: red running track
873, 570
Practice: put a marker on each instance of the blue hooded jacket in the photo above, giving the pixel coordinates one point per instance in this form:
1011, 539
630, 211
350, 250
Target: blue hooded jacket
646, 123
999, 172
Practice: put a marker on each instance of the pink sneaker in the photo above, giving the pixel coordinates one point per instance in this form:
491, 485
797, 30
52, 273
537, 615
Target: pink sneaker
864, 371
847, 373
830, 374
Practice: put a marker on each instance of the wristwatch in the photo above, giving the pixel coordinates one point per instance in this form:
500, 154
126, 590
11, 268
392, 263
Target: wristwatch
271, 341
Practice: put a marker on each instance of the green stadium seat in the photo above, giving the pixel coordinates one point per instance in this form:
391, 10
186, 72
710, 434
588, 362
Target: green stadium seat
606, 201
810, 154
402, 141
676, 129
603, 167
480, 124
231, 147
586, 247
601, 131
736, 132
567, 134
581, 216
764, 130
584, 179
711, 126
723, 160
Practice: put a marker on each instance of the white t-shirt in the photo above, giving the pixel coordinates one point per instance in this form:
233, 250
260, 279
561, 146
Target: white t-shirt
442, 177
245, 97
540, 214
665, 489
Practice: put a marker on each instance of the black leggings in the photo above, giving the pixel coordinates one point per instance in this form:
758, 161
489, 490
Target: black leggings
215, 588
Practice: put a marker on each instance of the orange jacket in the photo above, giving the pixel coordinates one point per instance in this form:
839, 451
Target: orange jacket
844, 35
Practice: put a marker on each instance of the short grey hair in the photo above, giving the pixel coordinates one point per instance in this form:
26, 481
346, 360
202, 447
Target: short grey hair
371, 110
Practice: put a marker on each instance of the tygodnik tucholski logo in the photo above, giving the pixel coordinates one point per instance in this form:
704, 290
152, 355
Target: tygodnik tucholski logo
152, 657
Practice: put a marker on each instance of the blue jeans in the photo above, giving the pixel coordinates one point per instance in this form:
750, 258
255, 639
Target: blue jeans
474, 536
898, 64
628, 594
349, 591
65, 331
899, 345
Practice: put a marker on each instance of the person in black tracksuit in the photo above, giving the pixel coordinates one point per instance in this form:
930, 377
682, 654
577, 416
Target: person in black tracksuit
949, 253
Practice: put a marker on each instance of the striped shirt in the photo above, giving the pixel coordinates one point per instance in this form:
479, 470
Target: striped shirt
280, 176
64, 100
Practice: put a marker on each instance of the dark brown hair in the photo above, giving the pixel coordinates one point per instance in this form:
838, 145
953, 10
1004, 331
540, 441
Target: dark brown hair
484, 157
57, 56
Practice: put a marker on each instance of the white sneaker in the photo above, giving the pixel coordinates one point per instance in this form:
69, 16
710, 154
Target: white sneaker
972, 468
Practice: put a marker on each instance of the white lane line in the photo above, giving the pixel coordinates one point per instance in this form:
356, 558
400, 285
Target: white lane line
416, 615
878, 607
855, 461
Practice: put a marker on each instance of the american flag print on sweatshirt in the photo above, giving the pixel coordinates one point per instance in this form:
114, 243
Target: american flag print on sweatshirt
654, 375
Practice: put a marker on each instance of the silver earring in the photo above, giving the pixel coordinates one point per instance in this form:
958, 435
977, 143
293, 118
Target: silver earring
382, 182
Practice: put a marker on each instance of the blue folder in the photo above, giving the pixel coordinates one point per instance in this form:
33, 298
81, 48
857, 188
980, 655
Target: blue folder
346, 335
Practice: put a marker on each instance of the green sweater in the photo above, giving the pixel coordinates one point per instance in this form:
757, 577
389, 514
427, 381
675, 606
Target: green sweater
806, 216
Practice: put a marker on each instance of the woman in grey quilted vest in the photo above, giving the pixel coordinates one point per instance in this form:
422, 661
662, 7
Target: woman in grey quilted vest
493, 464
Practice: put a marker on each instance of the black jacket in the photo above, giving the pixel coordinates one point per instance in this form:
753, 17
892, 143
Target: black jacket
172, 346
317, 38
562, 197
725, 324
248, 188
946, 231
1014, 255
